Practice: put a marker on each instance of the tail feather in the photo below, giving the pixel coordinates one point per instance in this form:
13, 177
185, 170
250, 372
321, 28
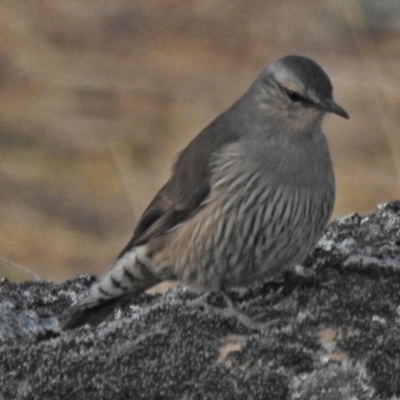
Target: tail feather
129, 276
82, 315
95, 313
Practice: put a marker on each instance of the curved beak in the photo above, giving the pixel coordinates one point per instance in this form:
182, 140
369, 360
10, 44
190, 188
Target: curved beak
331, 106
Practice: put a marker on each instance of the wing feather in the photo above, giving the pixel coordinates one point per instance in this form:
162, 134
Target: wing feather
181, 197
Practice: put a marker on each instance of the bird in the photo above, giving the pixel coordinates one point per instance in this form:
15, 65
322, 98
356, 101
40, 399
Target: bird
248, 198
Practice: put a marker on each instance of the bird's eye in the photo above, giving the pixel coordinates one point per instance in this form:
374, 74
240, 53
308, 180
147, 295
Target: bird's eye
293, 96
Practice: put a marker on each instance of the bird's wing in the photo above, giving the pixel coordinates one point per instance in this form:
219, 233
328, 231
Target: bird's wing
180, 198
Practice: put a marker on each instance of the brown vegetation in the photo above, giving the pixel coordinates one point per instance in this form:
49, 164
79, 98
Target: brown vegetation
97, 97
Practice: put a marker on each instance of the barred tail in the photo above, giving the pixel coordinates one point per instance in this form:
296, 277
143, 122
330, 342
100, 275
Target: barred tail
128, 277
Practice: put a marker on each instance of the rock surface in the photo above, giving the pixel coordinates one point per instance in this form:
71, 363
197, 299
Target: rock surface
329, 330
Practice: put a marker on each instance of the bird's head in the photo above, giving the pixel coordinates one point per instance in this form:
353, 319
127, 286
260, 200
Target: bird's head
297, 90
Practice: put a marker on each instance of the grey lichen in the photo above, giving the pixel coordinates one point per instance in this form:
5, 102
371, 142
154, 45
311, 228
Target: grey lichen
335, 332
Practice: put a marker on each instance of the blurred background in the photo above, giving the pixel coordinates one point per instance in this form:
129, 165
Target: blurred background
97, 97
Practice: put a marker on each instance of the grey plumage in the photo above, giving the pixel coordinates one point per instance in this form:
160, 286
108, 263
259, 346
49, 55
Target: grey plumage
248, 198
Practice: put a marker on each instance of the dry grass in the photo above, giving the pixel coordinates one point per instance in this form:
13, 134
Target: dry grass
96, 100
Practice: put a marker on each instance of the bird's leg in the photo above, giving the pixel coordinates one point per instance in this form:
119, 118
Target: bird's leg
200, 300
232, 310
228, 310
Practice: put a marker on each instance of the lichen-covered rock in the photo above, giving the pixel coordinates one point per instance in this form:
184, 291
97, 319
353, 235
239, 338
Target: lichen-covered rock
329, 330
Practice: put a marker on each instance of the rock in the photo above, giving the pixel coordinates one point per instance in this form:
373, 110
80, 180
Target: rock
328, 330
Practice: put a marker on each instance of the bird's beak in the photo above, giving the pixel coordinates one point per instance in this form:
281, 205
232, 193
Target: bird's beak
331, 106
